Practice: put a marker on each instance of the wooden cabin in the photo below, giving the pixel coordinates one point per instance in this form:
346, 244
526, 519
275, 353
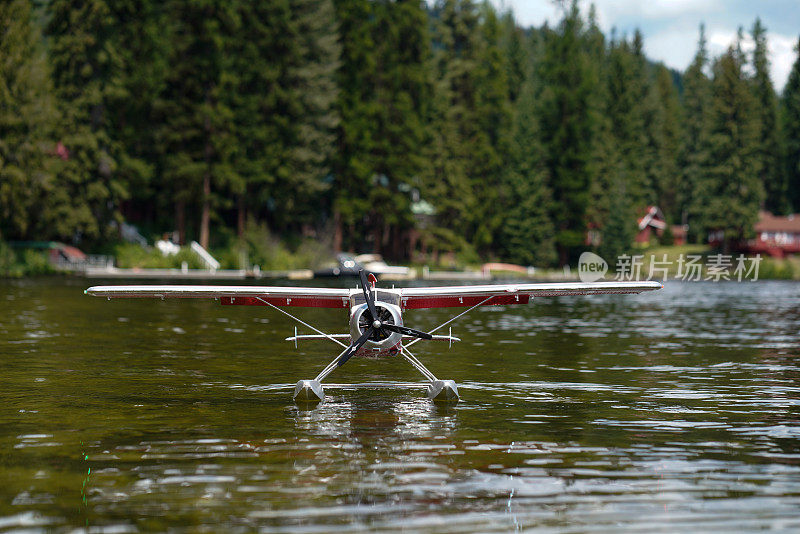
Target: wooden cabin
775, 235
651, 225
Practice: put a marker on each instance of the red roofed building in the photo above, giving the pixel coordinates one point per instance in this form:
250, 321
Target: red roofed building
652, 222
651, 226
776, 236
680, 233
66, 254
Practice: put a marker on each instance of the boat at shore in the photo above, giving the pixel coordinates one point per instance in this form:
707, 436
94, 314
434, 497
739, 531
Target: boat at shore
348, 265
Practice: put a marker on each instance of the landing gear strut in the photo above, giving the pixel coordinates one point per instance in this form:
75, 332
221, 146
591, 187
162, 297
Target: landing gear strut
311, 391
438, 390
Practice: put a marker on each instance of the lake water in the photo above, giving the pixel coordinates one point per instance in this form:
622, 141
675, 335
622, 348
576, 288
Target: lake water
677, 410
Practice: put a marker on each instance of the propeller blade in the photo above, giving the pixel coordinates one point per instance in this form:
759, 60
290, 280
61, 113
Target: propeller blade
369, 296
352, 349
406, 331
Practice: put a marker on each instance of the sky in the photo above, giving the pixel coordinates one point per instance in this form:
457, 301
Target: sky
671, 27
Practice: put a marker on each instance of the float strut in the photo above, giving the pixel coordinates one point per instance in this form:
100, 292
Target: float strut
438, 390
311, 390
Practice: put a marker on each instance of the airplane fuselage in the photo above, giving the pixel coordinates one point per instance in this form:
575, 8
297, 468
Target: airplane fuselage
382, 342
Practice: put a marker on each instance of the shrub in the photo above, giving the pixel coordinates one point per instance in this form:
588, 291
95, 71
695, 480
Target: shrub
9, 267
131, 256
261, 248
15, 264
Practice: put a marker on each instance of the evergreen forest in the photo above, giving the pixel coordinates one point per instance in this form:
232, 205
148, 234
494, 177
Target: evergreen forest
403, 127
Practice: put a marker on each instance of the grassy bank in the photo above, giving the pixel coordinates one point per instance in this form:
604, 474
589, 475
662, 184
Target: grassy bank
259, 247
20, 263
675, 260
256, 247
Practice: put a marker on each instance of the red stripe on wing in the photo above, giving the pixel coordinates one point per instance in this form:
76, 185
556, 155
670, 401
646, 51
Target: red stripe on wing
302, 302
411, 303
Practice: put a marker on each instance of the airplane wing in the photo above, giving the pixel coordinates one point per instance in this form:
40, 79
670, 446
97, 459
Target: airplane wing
493, 295
309, 297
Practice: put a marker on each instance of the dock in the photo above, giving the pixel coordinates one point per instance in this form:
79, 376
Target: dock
110, 273
194, 274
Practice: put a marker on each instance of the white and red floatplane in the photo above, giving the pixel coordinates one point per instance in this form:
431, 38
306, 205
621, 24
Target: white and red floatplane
376, 314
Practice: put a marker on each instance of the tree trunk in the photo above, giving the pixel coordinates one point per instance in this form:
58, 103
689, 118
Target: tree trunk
205, 213
241, 216
386, 238
208, 153
398, 243
563, 257
377, 239
351, 247
180, 221
337, 231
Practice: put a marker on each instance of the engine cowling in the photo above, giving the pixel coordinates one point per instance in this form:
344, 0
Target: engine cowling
381, 340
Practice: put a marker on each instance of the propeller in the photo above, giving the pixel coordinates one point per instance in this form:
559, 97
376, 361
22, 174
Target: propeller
352, 349
378, 326
369, 296
406, 331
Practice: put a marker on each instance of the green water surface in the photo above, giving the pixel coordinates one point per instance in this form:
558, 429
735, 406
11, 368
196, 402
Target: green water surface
670, 411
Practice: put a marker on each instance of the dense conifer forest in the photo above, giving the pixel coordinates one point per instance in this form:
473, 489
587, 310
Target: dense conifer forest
396, 126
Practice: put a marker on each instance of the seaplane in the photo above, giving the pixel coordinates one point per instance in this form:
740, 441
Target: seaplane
375, 315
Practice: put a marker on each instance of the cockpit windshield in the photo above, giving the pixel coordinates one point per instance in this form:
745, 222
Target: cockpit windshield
382, 296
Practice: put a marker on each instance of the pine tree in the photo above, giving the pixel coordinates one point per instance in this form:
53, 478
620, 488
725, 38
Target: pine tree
261, 98
195, 135
665, 136
86, 65
527, 233
641, 156
494, 121
790, 104
619, 230
470, 119
403, 94
732, 189
772, 176
567, 109
357, 105
696, 155
385, 100
142, 49
312, 111
26, 115
605, 155
630, 111
512, 44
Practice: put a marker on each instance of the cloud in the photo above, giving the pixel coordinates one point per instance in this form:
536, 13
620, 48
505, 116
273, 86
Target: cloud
632, 10
780, 50
783, 56
610, 13
671, 27
529, 13
675, 47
